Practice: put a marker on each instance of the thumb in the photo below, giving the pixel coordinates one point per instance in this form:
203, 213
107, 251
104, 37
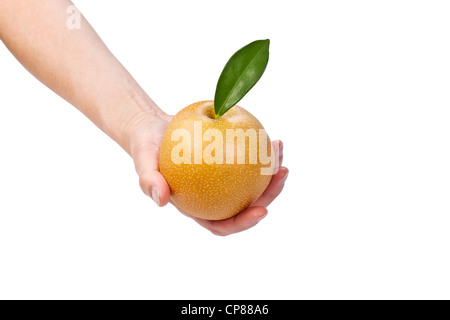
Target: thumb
152, 182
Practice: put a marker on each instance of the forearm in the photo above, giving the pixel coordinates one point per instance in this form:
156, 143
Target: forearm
75, 64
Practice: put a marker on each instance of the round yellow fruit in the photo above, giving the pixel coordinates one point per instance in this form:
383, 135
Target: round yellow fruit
215, 167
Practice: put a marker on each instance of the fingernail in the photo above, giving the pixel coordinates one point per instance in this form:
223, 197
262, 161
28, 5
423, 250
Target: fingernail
283, 180
155, 195
262, 215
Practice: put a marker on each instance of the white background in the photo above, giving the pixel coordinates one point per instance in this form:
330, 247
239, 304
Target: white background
357, 90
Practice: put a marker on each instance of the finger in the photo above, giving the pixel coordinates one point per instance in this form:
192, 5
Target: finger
280, 152
276, 152
243, 221
153, 184
277, 147
274, 189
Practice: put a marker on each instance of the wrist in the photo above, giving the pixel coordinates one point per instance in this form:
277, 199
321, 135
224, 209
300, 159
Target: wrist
142, 122
133, 114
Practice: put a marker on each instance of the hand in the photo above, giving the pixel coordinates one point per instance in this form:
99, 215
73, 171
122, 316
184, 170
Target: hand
145, 143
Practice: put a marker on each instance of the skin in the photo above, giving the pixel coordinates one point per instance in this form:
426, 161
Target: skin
78, 66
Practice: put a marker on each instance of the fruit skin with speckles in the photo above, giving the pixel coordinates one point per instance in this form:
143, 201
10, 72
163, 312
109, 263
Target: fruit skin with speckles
213, 191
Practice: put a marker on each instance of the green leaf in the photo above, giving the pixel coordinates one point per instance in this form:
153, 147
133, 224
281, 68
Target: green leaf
240, 74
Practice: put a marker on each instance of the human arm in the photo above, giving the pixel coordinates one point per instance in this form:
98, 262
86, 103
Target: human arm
77, 65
